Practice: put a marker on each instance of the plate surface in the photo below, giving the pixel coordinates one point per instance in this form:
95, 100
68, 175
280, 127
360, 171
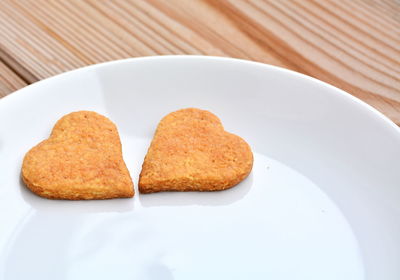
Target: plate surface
322, 201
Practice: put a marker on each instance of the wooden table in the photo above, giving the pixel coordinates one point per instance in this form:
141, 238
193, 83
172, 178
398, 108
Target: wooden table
352, 44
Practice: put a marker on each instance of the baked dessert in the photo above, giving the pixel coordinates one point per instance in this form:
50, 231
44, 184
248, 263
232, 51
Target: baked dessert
191, 151
82, 159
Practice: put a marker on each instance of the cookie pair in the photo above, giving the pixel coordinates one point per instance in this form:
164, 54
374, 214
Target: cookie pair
82, 158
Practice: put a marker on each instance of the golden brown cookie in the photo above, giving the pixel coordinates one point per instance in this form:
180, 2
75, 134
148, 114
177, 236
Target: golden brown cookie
82, 159
191, 151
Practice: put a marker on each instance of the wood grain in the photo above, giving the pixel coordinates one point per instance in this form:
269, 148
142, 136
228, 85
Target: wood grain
353, 45
9, 81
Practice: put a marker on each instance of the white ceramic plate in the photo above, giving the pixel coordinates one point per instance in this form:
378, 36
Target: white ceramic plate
322, 202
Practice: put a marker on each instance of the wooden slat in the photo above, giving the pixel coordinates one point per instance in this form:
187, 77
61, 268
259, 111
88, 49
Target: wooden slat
9, 81
354, 45
32, 46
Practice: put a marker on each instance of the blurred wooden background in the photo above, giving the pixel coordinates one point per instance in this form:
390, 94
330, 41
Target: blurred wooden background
352, 44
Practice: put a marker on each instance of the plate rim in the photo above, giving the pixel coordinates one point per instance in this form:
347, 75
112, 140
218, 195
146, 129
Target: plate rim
383, 119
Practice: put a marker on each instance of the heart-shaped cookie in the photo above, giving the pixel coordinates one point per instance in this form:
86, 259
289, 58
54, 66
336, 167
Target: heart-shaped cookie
191, 151
82, 159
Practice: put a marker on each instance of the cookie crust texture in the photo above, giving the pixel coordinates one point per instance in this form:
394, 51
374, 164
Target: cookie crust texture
82, 159
191, 151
